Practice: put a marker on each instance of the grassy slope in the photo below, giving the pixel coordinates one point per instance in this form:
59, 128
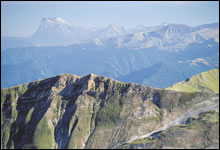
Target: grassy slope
205, 81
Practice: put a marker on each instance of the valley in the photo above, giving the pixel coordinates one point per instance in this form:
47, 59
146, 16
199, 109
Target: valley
144, 55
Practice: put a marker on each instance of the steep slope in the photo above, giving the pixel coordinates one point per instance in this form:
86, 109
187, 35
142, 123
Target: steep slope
165, 74
68, 111
113, 30
57, 31
201, 131
205, 81
208, 31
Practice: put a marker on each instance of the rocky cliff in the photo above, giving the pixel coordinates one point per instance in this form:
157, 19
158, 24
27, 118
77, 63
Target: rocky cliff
68, 111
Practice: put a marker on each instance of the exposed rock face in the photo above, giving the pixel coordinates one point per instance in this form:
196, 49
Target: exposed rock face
69, 111
198, 132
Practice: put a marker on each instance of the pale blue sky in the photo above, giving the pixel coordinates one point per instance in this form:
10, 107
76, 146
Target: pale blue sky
23, 18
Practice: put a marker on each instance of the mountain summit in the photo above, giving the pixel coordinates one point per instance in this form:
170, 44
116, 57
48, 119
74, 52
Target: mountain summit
54, 31
69, 111
115, 29
55, 24
51, 20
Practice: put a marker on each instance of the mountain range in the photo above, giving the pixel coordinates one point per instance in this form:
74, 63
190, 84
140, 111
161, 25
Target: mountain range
157, 56
57, 31
96, 112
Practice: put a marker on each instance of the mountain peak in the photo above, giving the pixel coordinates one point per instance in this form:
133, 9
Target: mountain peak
164, 24
90, 107
51, 20
113, 30
115, 27
50, 25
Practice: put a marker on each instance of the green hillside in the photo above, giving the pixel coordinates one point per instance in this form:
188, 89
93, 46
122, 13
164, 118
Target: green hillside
205, 82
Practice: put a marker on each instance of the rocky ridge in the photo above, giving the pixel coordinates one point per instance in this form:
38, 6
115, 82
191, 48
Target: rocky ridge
68, 111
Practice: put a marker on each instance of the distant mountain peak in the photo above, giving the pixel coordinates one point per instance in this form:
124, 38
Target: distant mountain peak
49, 22
140, 27
176, 28
164, 24
53, 20
115, 27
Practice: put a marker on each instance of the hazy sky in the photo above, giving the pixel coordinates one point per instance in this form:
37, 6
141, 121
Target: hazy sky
23, 18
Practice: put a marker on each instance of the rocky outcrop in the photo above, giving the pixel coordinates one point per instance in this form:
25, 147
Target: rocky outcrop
198, 132
68, 111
